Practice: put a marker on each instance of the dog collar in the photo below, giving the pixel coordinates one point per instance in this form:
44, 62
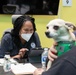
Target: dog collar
64, 46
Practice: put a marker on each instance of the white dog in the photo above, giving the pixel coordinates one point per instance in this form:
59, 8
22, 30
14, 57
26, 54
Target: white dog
59, 30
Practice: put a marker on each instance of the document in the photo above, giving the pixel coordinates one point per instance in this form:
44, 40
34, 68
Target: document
20, 69
1, 62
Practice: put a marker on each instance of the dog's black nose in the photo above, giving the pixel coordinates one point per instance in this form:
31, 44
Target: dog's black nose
47, 33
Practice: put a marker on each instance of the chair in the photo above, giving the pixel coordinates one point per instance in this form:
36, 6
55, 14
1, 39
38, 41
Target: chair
14, 17
7, 31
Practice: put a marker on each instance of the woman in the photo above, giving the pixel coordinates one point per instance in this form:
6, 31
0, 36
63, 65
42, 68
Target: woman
21, 39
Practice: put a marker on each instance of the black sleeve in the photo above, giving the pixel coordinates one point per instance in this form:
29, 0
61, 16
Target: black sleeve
61, 68
5, 44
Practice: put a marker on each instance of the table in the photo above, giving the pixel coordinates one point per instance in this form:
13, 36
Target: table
38, 65
4, 73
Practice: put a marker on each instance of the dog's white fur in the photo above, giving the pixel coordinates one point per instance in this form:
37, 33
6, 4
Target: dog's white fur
59, 30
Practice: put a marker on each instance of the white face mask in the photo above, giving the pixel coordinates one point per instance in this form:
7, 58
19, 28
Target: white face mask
26, 36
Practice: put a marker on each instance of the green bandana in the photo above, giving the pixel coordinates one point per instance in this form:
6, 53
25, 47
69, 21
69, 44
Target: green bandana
63, 47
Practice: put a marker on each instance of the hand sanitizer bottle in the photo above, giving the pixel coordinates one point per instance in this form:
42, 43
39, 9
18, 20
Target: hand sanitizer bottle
7, 63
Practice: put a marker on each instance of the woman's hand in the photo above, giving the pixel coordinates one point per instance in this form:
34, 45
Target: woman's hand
22, 52
52, 52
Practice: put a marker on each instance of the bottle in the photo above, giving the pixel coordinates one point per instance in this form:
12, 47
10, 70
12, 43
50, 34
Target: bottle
7, 63
44, 57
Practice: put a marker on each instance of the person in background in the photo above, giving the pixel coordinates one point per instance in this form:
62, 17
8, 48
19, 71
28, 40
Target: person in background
21, 39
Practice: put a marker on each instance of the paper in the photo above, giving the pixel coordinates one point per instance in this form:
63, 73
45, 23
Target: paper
27, 68
1, 61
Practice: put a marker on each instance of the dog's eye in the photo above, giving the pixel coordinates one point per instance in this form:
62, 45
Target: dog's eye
47, 27
56, 27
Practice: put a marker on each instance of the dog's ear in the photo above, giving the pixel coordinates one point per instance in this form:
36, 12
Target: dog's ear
69, 25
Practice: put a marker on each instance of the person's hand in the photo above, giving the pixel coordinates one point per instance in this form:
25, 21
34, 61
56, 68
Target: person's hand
52, 52
38, 71
22, 52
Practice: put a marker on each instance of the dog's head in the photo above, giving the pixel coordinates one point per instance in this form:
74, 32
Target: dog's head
58, 29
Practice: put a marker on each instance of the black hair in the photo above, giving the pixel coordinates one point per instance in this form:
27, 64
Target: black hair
19, 23
17, 26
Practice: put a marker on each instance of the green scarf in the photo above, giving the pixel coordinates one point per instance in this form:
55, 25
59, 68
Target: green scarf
64, 46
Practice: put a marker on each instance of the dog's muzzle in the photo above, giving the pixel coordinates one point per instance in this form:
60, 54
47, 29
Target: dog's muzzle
48, 34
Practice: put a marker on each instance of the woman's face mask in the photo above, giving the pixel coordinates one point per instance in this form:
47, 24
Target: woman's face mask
26, 36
